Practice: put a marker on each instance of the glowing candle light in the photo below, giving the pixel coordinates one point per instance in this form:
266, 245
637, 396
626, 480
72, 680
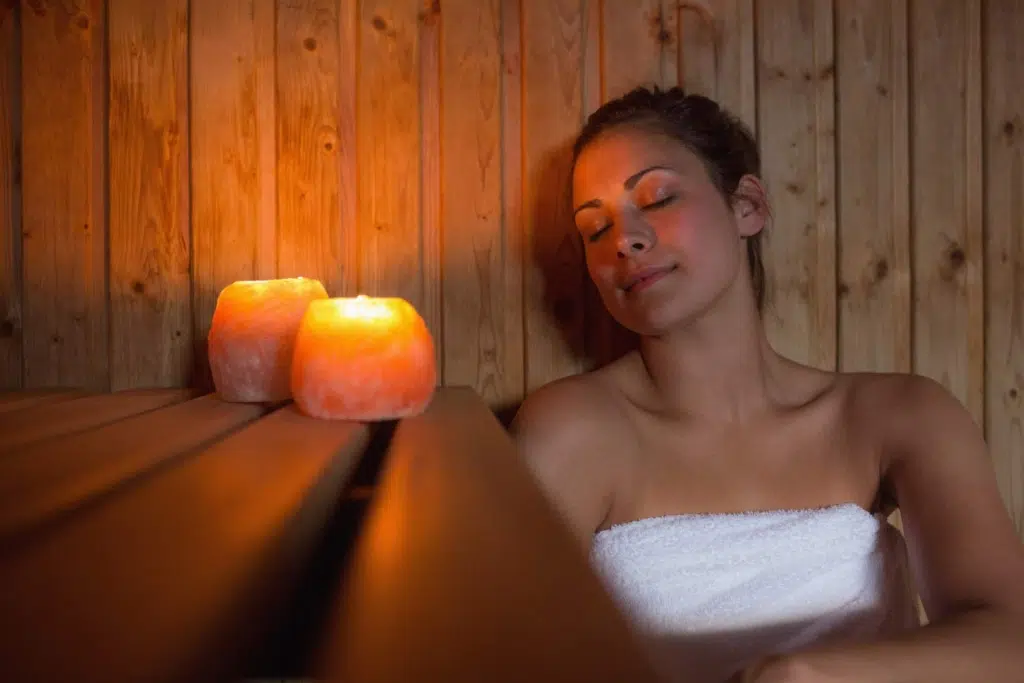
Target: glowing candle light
252, 337
363, 359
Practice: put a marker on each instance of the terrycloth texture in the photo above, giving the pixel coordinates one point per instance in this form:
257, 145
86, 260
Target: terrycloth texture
713, 592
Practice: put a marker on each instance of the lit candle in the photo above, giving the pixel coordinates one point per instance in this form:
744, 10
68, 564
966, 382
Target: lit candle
363, 359
252, 337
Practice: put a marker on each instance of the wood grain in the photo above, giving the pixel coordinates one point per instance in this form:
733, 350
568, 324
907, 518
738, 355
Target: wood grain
311, 240
149, 242
496, 571
796, 124
946, 201
482, 270
251, 507
233, 154
348, 171
717, 54
38, 423
431, 220
389, 153
512, 179
65, 333
44, 481
552, 113
1004, 255
873, 187
643, 27
10, 196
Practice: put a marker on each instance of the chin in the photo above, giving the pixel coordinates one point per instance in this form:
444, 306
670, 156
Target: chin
654, 318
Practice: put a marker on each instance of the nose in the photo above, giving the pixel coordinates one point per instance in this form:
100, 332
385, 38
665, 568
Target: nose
634, 239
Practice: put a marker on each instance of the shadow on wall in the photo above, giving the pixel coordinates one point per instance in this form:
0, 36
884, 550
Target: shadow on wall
202, 378
571, 301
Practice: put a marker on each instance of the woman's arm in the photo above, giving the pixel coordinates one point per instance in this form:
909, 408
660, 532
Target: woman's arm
967, 559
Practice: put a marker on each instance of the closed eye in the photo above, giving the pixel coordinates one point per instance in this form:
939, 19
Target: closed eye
594, 236
658, 204
653, 205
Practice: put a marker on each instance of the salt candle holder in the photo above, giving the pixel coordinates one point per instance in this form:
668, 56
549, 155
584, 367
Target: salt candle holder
364, 359
252, 337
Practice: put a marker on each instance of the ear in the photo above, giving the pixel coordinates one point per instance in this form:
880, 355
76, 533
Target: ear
750, 206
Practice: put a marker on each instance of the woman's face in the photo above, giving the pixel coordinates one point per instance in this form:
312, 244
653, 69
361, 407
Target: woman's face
661, 243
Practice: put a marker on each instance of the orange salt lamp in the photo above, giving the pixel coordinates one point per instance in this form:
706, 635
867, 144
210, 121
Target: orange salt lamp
363, 359
253, 334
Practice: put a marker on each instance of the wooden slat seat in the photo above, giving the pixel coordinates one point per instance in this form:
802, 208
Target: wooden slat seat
176, 576
22, 427
17, 400
462, 571
47, 479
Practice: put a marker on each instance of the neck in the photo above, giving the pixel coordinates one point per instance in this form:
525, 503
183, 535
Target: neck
719, 367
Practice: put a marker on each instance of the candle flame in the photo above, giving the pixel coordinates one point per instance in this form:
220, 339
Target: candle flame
365, 308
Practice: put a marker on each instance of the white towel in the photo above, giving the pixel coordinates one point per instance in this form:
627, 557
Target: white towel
712, 593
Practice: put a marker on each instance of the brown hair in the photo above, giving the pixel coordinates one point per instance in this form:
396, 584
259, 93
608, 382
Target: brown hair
721, 140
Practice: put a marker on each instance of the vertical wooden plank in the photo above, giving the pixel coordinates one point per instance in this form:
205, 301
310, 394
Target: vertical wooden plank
874, 325
348, 75
1004, 240
389, 153
482, 272
874, 186
10, 197
716, 54
150, 297
311, 240
633, 39
263, 14
667, 27
797, 131
431, 257
945, 72
552, 111
593, 69
233, 153
64, 215
512, 183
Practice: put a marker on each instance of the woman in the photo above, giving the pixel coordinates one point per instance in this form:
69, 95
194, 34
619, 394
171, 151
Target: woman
733, 499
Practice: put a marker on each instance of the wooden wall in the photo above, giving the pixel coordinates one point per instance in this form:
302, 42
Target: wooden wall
152, 151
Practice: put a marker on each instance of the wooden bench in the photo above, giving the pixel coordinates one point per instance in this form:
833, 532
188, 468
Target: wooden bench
162, 536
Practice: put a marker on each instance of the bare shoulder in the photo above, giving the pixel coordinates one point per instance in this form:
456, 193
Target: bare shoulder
936, 464
571, 433
566, 412
905, 410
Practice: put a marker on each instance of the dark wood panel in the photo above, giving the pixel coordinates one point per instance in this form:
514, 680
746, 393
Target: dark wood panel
64, 229
10, 196
463, 571
174, 579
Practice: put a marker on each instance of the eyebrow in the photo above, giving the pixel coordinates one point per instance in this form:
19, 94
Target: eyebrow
629, 184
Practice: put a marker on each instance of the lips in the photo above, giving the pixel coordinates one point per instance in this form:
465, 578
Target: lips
640, 279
